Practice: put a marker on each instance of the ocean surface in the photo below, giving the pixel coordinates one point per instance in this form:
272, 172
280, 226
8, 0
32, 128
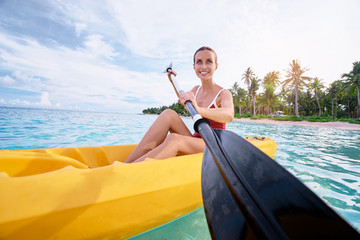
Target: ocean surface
326, 160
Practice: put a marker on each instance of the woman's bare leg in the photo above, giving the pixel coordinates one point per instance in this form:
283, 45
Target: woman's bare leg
168, 121
173, 145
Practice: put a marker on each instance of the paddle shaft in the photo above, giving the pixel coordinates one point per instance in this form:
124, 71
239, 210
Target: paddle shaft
190, 107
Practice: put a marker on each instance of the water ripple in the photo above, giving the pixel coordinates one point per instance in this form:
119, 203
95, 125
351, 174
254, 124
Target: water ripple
326, 160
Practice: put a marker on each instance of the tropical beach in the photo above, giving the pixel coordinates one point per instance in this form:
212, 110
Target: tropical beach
304, 123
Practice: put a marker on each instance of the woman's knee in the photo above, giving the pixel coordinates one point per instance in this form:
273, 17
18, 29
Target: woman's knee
173, 141
176, 142
173, 138
180, 144
169, 114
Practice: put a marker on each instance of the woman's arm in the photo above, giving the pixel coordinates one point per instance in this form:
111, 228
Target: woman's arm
225, 113
172, 83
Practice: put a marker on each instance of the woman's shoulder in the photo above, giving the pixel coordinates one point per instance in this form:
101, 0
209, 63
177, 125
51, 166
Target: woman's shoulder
223, 92
194, 89
222, 89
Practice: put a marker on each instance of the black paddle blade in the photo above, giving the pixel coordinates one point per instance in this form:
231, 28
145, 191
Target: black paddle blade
253, 197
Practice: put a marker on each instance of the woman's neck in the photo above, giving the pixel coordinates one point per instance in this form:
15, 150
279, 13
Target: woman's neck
207, 84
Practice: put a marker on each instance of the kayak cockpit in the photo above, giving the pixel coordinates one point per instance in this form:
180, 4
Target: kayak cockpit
35, 161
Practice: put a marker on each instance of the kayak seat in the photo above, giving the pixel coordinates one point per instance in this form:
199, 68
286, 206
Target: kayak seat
92, 157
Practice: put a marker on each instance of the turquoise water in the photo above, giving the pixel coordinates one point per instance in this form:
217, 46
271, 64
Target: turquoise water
191, 226
29, 128
326, 160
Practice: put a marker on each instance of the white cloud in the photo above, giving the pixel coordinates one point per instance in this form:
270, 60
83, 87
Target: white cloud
6, 80
96, 47
45, 99
80, 27
19, 102
169, 28
82, 75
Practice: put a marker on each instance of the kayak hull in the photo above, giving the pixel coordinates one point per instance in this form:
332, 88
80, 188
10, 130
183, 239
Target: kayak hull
52, 193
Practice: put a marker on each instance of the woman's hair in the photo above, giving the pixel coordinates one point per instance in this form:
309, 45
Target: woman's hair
205, 48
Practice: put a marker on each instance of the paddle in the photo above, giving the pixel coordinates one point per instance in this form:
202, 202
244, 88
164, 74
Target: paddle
247, 195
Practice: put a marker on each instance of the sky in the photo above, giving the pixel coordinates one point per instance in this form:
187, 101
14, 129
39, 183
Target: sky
109, 55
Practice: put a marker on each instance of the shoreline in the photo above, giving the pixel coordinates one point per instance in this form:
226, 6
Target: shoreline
304, 123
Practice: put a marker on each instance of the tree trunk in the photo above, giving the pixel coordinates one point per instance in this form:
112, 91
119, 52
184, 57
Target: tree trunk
318, 102
358, 102
336, 104
296, 103
254, 107
348, 103
246, 110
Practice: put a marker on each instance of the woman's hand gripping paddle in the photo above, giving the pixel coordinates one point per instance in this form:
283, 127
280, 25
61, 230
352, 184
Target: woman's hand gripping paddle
247, 195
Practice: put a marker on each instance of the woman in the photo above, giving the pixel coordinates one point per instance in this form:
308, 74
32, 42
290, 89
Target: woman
210, 100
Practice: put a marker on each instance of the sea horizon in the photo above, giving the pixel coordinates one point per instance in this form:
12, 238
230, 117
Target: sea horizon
70, 110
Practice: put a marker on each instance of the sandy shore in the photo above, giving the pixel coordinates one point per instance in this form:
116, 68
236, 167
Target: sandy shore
340, 125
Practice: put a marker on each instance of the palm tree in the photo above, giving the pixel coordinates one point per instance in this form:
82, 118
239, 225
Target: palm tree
239, 96
295, 79
306, 101
272, 79
242, 99
269, 99
234, 92
247, 76
316, 85
352, 79
289, 98
282, 99
247, 80
254, 86
333, 92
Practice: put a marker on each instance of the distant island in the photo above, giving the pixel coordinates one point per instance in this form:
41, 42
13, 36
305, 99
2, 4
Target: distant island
177, 107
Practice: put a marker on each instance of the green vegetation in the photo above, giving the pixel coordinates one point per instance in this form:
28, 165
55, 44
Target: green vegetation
177, 107
301, 118
299, 97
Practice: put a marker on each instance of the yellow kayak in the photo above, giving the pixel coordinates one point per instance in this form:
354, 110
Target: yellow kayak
88, 193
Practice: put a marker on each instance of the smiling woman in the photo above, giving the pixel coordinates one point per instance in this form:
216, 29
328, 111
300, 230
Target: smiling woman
211, 101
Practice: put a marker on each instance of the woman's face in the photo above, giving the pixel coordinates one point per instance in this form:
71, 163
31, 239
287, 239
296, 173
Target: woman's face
205, 64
